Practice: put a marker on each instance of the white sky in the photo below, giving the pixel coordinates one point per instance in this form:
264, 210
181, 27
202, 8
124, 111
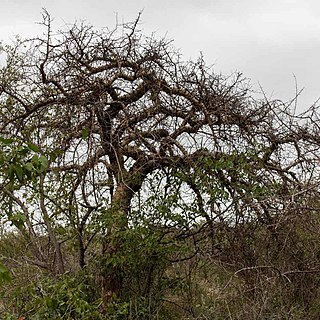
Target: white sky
268, 41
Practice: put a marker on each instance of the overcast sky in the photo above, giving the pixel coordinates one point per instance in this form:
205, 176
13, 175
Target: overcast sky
269, 41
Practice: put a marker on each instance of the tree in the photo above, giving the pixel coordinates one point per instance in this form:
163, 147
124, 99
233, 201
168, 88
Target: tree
122, 132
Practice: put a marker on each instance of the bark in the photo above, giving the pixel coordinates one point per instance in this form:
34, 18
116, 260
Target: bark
112, 277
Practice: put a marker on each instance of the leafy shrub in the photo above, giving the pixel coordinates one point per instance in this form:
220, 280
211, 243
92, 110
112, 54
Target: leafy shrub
70, 297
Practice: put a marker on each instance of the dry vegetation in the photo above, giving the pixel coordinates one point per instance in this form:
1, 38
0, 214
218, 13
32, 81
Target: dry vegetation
135, 185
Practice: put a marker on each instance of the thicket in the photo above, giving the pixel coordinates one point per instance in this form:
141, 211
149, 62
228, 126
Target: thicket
135, 185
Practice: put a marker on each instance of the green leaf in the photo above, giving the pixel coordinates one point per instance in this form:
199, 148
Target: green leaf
35, 160
18, 171
18, 219
33, 147
23, 151
44, 163
6, 141
11, 171
29, 166
84, 133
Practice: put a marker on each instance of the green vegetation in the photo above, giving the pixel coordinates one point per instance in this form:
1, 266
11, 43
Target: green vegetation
134, 185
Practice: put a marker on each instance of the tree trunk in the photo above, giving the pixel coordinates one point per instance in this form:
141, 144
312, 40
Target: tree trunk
112, 272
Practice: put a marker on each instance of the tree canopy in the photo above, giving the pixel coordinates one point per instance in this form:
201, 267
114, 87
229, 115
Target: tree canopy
111, 141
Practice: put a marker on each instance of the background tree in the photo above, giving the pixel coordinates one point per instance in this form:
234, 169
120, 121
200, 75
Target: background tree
122, 144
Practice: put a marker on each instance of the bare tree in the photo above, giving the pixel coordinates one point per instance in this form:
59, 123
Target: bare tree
111, 109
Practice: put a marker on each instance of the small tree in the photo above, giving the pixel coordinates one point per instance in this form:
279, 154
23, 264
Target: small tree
127, 135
